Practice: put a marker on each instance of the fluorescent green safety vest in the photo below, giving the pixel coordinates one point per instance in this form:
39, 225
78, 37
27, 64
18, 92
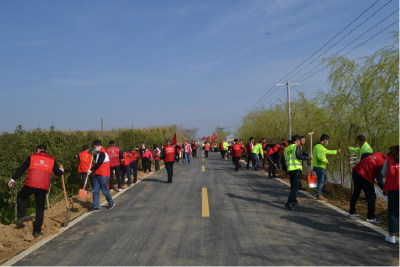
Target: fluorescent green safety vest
292, 162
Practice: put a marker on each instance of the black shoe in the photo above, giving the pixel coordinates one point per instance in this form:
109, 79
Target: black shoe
93, 209
22, 220
295, 203
37, 234
111, 206
302, 189
290, 207
274, 176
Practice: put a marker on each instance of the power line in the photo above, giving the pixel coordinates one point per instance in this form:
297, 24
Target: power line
269, 90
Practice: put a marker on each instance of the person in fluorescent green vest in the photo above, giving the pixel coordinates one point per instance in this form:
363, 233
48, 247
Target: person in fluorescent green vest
257, 149
226, 146
294, 157
364, 147
320, 161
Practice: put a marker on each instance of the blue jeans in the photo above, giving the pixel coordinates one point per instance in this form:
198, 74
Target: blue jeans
100, 182
255, 161
393, 207
187, 158
321, 176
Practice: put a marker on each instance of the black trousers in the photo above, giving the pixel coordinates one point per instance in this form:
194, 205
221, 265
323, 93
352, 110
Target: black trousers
146, 164
169, 166
294, 185
194, 153
134, 168
360, 183
248, 160
157, 165
177, 158
206, 153
40, 200
126, 170
223, 154
120, 180
236, 162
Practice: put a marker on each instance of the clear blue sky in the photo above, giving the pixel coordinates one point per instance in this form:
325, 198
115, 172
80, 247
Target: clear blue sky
146, 63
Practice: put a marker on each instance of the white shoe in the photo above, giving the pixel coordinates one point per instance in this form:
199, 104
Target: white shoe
353, 215
111, 190
126, 179
374, 220
391, 239
119, 189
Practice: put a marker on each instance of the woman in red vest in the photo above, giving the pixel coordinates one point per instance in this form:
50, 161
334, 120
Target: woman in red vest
157, 153
391, 189
134, 164
146, 159
126, 167
40, 166
85, 163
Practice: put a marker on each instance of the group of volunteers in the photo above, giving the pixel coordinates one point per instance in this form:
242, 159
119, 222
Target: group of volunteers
290, 155
99, 168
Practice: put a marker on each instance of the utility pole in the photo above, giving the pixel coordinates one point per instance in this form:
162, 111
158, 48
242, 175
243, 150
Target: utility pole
288, 105
102, 131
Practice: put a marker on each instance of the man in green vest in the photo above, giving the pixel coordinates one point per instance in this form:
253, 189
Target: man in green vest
320, 161
294, 162
364, 147
226, 151
257, 149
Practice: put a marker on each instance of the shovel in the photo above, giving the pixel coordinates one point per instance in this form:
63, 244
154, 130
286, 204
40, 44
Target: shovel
275, 165
82, 192
312, 179
68, 216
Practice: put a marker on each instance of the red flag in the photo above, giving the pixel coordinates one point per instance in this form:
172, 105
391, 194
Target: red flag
208, 139
214, 137
174, 140
204, 138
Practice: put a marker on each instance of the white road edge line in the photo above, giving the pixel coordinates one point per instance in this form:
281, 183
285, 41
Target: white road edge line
341, 211
31, 249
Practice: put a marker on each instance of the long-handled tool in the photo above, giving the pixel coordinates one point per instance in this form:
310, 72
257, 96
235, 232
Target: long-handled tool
68, 216
275, 165
312, 179
82, 192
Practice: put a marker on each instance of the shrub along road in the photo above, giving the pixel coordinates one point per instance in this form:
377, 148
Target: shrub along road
156, 223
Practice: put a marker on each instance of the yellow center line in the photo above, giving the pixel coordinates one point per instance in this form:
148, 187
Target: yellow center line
205, 210
203, 168
202, 160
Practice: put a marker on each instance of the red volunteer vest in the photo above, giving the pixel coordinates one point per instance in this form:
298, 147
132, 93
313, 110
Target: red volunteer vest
283, 150
104, 169
113, 154
40, 169
369, 166
156, 154
169, 154
187, 149
194, 147
127, 158
272, 150
237, 150
134, 155
392, 177
221, 146
146, 154
207, 147
85, 158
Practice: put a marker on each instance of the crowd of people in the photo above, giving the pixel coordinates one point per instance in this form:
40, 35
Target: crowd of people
100, 166
289, 155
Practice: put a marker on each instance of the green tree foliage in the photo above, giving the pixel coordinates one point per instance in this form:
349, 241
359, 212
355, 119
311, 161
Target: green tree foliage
363, 99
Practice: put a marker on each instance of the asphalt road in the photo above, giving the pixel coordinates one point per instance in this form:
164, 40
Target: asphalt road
156, 223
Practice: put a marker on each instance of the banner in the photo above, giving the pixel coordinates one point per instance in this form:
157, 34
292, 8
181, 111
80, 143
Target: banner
204, 138
174, 140
214, 137
208, 139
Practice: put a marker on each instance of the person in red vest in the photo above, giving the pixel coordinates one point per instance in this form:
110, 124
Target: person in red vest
390, 170
273, 157
364, 174
40, 166
115, 155
206, 149
101, 171
146, 160
249, 148
126, 166
85, 163
188, 152
168, 155
282, 161
134, 164
157, 154
194, 149
178, 149
237, 149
